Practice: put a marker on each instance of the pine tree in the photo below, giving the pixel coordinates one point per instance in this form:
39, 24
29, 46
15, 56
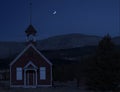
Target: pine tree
104, 70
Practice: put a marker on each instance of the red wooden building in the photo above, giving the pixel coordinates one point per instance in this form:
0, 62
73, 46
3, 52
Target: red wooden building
30, 68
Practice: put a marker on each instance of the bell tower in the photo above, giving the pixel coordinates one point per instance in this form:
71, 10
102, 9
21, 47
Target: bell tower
31, 34
30, 31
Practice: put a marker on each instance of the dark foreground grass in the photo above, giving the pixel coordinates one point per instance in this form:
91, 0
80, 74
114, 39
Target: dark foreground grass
48, 90
4, 87
43, 90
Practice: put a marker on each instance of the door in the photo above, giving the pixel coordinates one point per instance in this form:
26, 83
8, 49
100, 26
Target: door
30, 78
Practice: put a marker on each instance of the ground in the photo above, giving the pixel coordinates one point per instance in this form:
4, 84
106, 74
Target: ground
43, 90
60, 87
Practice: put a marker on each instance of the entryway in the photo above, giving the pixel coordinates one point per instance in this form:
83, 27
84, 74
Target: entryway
30, 75
30, 78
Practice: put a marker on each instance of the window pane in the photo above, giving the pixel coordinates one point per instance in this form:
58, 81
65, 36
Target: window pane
42, 73
19, 73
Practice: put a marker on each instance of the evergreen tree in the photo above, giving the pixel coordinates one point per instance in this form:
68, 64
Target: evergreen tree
106, 45
104, 69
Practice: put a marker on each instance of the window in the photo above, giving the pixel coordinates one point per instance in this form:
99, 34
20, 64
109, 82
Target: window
42, 73
19, 73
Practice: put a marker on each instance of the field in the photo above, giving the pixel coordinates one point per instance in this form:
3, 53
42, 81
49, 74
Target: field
4, 87
43, 90
69, 87
48, 90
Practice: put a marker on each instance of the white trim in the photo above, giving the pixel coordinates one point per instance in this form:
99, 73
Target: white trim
36, 77
30, 45
19, 55
10, 76
30, 87
29, 69
41, 54
44, 85
25, 74
17, 86
33, 79
27, 78
30, 63
22, 86
24, 78
51, 75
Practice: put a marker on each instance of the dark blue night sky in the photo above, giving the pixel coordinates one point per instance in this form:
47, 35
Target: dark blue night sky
92, 17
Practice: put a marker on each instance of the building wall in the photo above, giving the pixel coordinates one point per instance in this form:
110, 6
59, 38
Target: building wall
48, 77
39, 61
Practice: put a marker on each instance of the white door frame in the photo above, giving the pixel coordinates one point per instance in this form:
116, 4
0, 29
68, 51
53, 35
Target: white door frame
25, 74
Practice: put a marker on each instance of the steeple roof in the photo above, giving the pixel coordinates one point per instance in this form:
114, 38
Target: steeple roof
30, 30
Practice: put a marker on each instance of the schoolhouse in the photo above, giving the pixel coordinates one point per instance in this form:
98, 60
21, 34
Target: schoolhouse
30, 68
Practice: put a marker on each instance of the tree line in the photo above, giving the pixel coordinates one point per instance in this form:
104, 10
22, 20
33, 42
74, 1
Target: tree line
99, 71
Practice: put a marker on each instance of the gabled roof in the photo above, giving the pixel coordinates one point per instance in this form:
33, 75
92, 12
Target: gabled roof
30, 63
30, 45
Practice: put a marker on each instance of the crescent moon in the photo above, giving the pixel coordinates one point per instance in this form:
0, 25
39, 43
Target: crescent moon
54, 12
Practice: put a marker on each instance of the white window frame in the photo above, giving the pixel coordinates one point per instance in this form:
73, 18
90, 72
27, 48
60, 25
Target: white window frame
18, 73
42, 73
